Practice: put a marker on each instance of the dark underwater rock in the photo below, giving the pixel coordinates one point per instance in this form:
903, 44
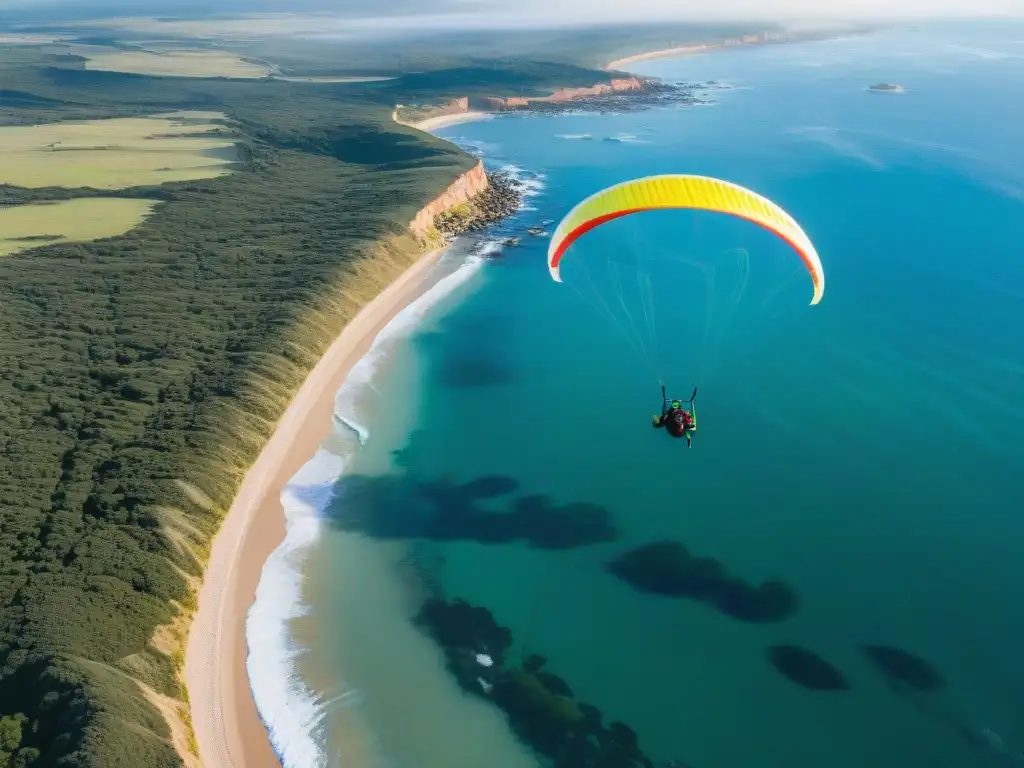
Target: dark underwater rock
771, 601
471, 629
904, 668
806, 668
397, 506
666, 568
489, 486
623, 734
554, 683
534, 662
539, 705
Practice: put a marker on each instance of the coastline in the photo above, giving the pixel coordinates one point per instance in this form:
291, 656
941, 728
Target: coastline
443, 121
228, 729
663, 53
693, 49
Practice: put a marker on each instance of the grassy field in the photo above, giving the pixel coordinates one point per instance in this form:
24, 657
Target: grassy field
68, 221
176, 64
117, 153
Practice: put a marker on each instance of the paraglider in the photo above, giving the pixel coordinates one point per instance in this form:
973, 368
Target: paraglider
683, 191
678, 417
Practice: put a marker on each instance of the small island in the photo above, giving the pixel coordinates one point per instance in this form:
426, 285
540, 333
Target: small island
887, 88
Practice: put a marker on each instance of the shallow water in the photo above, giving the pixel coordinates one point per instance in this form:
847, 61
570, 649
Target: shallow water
863, 451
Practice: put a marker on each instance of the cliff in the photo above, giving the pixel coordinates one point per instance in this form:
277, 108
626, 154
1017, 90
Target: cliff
473, 201
416, 115
562, 95
462, 190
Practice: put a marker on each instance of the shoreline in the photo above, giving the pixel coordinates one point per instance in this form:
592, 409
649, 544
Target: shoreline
228, 729
444, 121
666, 53
693, 49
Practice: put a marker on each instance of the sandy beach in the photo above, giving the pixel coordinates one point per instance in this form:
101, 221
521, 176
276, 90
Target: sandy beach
443, 121
227, 726
664, 53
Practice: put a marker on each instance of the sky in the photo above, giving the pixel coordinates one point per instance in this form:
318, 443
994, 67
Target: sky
527, 12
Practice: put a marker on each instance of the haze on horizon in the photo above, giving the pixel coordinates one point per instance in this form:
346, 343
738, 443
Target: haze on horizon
495, 13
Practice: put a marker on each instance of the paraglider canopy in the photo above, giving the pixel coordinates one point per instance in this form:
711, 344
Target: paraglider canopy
683, 191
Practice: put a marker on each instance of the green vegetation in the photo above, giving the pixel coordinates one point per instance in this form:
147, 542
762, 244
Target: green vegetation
139, 366
12, 754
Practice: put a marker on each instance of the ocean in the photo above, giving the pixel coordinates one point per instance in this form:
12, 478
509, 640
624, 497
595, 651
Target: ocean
495, 560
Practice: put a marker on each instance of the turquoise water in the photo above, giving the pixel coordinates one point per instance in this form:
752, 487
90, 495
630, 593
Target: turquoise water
866, 451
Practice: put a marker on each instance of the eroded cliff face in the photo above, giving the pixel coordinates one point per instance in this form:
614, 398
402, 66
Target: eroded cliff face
462, 190
410, 115
615, 85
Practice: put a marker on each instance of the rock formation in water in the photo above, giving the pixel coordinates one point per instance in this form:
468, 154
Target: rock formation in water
903, 668
806, 668
398, 507
667, 568
540, 706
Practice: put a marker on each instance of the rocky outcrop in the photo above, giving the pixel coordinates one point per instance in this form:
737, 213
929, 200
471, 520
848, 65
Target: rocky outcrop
473, 201
562, 95
499, 200
887, 88
460, 191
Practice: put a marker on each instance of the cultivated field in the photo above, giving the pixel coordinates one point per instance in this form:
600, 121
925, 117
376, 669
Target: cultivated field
116, 153
68, 221
177, 64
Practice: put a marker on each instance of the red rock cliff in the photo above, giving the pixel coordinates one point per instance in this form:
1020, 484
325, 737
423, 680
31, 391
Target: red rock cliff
567, 94
468, 185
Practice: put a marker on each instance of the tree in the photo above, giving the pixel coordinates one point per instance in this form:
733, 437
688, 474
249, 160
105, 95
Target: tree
10, 740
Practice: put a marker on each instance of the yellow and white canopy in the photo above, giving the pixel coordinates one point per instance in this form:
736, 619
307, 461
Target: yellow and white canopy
683, 191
